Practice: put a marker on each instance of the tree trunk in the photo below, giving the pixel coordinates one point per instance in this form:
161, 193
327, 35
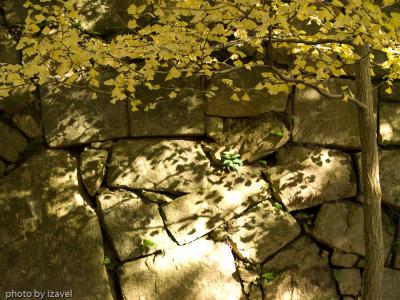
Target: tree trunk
371, 189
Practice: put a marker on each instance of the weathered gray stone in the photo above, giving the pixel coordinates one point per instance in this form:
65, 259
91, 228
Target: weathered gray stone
389, 123
214, 127
50, 238
201, 270
194, 215
8, 54
260, 101
302, 274
389, 164
2, 168
13, 143
326, 122
157, 197
349, 281
70, 117
391, 286
28, 125
311, 177
261, 232
135, 226
181, 116
394, 96
253, 137
17, 100
341, 259
341, 225
93, 168
175, 166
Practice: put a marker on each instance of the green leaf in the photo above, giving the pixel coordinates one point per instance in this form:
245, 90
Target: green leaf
147, 243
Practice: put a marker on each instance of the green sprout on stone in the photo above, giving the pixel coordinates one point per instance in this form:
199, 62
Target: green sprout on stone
270, 276
336, 274
262, 163
277, 205
278, 133
148, 243
231, 161
107, 261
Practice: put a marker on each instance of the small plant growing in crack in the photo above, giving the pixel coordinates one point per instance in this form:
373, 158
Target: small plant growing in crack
277, 205
107, 261
270, 277
231, 161
147, 243
278, 133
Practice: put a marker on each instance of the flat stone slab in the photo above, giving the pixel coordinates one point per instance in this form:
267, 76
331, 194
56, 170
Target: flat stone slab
50, 239
13, 143
261, 232
134, 225
326, 122
253, 138
391, 286
341, 225
175, 166
389, 123
180, 116
309, 177
389, 176
260, 101
194, 215
201, 270
93, 168
299, 272
70, 117
341, 259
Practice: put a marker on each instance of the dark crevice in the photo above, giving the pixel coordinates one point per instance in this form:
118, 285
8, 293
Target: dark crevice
163, 217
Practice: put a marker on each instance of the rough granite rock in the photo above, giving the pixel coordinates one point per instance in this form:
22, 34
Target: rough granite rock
28, 125
341, 259
12, 144
50, 239
253, 138
349, 281
389, 123
389, 164
300, 273
93, 168
194, 215
391, 286
310, 177
134, 225
326, 122
19, 98
201, 270
340, 225
261, 232
157, 197
70, 117
180, 116
260, 101
175, 166
2, 168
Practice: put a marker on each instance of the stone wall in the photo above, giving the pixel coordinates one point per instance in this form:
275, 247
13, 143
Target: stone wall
113, 204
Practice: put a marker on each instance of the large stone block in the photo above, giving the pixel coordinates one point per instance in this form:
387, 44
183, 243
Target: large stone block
391, 286
389, 123
181, 116
260, 101
12, 144
201, 270
299, 272
50, 239
327, 122
194, 215
134, 225
175, 166
93, 168
70, 117
340, 225
261, 232
308, 177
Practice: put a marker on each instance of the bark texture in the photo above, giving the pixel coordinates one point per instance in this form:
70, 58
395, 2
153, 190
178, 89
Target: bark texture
373, 274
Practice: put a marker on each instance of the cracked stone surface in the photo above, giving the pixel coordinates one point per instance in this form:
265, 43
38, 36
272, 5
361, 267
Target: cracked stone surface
301, 273
50, 238
13, 143
175, 166
201, 270
134, 225
261, 232
194, 215
309, 177
93, 168
340, 225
